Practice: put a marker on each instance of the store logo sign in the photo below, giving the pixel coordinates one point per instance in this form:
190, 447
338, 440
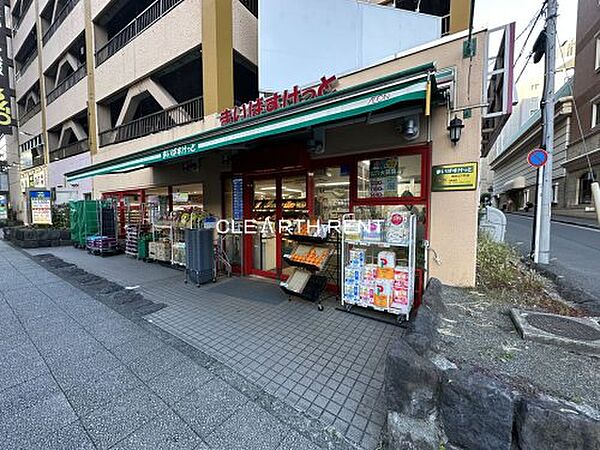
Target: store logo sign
276, 101
379, 98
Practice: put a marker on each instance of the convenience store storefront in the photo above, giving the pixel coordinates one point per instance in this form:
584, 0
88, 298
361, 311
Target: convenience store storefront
367, 147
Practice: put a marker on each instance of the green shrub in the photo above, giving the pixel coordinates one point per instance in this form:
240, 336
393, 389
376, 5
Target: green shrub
499, 267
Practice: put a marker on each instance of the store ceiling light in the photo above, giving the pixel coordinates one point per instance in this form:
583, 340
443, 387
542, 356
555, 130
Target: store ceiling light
333, 183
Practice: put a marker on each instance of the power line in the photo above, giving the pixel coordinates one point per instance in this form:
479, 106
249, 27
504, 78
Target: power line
535, 21
577, 116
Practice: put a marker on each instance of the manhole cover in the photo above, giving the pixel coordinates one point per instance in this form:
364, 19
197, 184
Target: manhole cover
562, 326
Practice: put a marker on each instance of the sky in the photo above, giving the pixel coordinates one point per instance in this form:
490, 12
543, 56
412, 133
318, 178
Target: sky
493, 13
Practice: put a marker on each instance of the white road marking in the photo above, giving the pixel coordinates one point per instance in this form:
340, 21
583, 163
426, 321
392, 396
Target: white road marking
595, 230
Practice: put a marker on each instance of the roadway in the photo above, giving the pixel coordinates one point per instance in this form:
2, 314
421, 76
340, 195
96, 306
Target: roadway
575, 254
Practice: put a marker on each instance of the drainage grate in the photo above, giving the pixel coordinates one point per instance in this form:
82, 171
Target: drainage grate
564, 327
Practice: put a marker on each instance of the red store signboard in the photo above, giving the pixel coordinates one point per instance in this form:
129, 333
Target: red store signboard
277, 101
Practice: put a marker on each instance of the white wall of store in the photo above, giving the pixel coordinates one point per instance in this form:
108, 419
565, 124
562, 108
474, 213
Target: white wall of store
299, 42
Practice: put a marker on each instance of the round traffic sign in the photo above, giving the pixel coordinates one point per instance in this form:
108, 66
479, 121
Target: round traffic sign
537, 157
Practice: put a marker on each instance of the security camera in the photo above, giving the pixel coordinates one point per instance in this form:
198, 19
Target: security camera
408, 127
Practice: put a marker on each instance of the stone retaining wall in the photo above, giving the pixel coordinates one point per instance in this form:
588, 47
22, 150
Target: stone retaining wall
433, 404
25, 237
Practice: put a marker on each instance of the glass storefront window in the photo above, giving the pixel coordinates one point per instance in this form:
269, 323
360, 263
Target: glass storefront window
157, 200
395, 176
382, 211
188, 195
332, 192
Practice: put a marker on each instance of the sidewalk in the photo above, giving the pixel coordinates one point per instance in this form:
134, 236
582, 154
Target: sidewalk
76, 374
562, 218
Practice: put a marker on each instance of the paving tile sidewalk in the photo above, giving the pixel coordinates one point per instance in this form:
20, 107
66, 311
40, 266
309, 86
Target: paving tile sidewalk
326, 365
76, 374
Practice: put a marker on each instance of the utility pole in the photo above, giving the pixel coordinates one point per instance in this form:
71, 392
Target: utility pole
541, 253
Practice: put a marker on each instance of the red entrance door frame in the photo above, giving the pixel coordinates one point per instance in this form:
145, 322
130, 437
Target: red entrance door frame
249, 180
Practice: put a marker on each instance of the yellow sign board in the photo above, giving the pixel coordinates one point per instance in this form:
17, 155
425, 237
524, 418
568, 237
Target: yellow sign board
454, 177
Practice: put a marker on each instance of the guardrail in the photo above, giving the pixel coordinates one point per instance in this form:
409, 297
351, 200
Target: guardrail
66, 84
30, 113
59, 19
184, 113
143, 21
69, 150
25, 65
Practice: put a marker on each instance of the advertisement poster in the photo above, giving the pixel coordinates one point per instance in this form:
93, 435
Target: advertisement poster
3, 207
454, 177
238, 198
383, 177
41, 207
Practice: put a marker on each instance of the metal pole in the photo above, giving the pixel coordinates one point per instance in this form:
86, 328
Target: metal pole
542, 253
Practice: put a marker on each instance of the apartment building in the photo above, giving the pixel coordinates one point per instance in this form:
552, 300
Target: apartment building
94, 76
583, 155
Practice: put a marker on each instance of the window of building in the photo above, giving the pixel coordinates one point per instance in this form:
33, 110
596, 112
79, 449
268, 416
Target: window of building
597, 65
585, 188
396, 176
555, 193
596, 113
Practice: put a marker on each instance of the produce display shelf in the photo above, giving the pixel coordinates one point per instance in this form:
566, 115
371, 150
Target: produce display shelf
311, 292
291, 262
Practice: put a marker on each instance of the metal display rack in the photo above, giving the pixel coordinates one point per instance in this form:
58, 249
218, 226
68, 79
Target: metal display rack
371, 249
309, 279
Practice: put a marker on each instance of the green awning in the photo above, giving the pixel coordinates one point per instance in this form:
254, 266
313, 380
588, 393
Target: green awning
401, 87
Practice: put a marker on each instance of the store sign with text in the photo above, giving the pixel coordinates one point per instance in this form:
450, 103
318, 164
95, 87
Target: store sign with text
6, 119
383, 177
454, 177
40, 203
3, 207
276, 101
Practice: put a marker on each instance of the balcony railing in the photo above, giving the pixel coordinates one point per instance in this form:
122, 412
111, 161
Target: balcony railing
143, 21
26, 65
184, 113
30, 113
59, 19
25, 10
70, 150
251, 5
66, 84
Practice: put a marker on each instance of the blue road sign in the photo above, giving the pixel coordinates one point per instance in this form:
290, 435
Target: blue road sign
537, 158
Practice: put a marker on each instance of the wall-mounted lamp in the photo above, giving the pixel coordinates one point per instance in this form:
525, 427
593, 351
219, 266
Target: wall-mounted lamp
455, 129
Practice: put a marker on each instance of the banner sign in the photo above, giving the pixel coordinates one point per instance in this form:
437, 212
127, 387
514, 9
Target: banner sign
454, 177
6, 120
3, 207
383, 177
40, 203
277, 101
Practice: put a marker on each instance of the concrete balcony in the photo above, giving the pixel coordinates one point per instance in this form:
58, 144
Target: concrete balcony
68, 25
23, 27
176, 116
24, 118
169, 31
245, 29
66, 84
98, 6
26, 76
65, 106
30, 127
69, 150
